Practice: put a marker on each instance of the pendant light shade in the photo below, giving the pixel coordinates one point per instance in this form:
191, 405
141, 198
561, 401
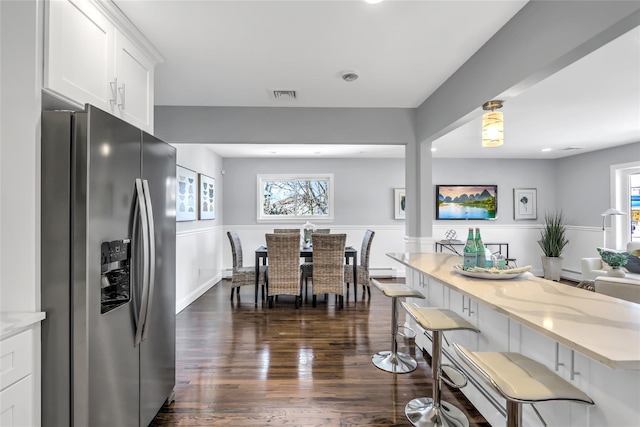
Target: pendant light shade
492, 125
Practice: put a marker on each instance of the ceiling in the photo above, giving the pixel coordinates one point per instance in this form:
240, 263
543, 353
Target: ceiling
236, 53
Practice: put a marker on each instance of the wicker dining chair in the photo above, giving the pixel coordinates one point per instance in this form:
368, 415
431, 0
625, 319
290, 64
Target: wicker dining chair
286, 230
306, 268
328, 266
240, 274
362, 270
283, 271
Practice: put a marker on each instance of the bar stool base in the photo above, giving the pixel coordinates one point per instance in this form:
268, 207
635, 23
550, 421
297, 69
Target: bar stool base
421, 413
397, 363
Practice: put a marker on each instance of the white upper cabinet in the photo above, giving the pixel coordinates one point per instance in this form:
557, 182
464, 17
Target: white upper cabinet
79, 54
94, 55
134, 84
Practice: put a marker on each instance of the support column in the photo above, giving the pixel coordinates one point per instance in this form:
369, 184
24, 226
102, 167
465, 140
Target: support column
420, 201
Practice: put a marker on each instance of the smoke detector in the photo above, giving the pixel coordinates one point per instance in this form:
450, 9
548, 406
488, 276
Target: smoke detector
349, 76
284, 94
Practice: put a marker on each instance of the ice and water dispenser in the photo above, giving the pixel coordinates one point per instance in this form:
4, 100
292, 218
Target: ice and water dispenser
115, 277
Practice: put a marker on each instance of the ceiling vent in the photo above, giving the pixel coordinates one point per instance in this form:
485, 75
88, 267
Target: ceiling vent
284, 94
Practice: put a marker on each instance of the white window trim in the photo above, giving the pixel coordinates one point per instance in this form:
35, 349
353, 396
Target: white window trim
620, 196
293, 218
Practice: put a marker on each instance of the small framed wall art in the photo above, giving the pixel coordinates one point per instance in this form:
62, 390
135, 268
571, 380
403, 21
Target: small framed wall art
525, 203
186, 194
399, 203
207, 197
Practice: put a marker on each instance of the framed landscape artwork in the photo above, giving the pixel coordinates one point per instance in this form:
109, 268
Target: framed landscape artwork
186, 194
399, 203
207, 197
525, 203
467, 202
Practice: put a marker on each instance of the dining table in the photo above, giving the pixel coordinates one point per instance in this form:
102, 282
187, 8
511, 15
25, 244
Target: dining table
350, 253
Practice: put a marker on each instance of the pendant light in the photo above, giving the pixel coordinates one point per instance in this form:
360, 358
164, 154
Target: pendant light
492, 125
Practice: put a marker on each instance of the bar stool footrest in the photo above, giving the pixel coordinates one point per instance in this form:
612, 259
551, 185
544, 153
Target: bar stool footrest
422, 413
454, 377
406, 332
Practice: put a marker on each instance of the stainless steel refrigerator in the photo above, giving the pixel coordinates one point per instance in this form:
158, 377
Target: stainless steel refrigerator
108, 271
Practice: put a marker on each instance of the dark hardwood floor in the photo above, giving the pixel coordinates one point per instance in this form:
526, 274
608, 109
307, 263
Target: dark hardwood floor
238, 365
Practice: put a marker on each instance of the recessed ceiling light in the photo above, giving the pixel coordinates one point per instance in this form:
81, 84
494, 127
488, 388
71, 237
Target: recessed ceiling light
349, 76
434, 149
373, 1
545, 149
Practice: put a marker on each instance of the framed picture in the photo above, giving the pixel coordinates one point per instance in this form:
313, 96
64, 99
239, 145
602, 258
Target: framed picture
467, 202
207, 197
186, 194
399, 203
525, 203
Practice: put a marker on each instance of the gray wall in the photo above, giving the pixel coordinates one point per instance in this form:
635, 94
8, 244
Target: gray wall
507, 174
201, 159
363, 187
285, 125
579, 185
584, 184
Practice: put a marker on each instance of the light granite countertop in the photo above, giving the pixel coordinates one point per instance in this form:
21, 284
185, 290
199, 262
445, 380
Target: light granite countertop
600, 327
12, 322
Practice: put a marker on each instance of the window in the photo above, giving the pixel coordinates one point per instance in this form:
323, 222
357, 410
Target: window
290, 197
623, 180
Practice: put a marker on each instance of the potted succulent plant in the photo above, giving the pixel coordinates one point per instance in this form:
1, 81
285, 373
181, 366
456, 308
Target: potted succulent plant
553, 239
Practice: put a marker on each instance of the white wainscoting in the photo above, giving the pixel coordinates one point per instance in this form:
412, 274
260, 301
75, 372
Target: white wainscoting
523, 243
198, 263
203, 256
583, 242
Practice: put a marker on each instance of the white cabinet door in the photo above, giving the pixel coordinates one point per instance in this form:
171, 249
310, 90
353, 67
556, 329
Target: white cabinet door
79, 53
16, 404
16, 366
468, 310
135, 73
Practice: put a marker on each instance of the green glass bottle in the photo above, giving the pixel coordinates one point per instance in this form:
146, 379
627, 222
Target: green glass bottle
481, 259
469, 257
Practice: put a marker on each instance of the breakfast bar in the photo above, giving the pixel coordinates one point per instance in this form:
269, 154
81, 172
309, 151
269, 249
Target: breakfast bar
589, 339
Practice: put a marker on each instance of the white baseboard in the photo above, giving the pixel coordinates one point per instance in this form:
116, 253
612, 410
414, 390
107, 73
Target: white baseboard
197, 293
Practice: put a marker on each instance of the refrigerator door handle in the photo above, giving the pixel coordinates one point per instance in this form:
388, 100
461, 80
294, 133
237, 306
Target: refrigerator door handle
135, 262
152, 256
145, 262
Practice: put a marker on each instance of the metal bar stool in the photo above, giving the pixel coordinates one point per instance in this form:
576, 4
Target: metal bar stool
392, 361
519, 380
432, 411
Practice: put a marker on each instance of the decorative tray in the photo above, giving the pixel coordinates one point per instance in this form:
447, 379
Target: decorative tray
492, 273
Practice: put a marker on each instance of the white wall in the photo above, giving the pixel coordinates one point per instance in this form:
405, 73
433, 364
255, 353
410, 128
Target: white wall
199, 243
21, 36
21, 82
